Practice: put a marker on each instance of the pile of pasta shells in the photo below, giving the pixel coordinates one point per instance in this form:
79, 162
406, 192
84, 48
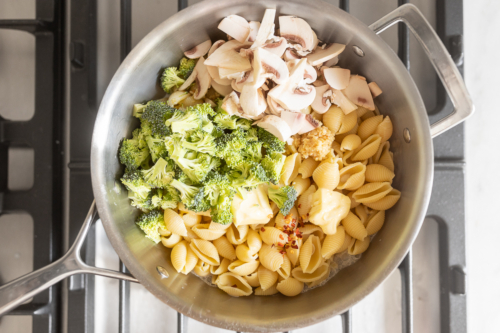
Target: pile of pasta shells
341, 204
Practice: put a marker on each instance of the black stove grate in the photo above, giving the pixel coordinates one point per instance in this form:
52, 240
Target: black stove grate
45, 133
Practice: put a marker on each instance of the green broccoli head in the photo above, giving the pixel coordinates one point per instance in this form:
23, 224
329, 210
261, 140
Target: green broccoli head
165, 198
248, 174
200, 141
197, 168
223, 120
230, 146
273, 164
251, 134
157, 148
170, 79
253, 151
184, 121
144, 204
150, 223
134, 182
138, 110
199, 203
284, 197
186, 67
221, 212
160, 174
156, 113
216, 187
133, 152
270, 142
187, 192
206, 113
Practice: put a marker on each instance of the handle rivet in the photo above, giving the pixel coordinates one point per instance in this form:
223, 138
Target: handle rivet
162, 271
407, 135
358, 51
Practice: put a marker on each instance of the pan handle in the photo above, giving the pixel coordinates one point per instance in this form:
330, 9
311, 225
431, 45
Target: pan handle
440, 59
22, 289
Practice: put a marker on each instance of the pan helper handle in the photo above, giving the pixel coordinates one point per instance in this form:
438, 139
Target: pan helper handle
22, 289
440, 59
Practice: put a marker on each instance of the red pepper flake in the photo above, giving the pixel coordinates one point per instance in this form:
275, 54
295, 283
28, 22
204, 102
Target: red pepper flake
281, 237
293, 242
293, 225
282, 252
234, 286
297, 231
307, 214
299, 236
287, 246
280, 244
294, 220
289, 238
295, 247
299, 205
272, 245
262, 229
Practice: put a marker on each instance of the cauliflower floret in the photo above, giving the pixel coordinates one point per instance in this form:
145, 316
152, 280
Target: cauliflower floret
316, 143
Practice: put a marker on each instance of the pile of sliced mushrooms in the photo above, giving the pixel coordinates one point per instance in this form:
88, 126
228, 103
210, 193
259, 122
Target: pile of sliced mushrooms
276, 81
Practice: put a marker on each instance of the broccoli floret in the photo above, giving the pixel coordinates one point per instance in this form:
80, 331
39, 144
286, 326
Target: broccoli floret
272, 164
138, 110
243, 123
165, 198
150, 223
186, 67
133, 152
156, 113
160, 174
225, 121
230, 146
170, 79
199, 203
217, 132
284, 197
174, 147
200, 141
251, 134
206, 113
187, 192
270, 142
198, 167
248, 174
156, 147
216, 187
221, 213
253, 151
184, 121
134, 182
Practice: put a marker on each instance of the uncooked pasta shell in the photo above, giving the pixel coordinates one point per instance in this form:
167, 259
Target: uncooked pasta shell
270, 257
318, 274
285, 268
307, 167
357, 246
386, 202
384, 129
224, 248
242, 268
378, 173
234, 285
174, 222
333, 243
375, 222
266, 277
203, 231
206, 251
271, 235
253, 280
326, 175
290, 287
290, 168
268, 292
350, 142
310, 254
369, 126
352, 176
353, 226
368, 148
372, 192
333, 119
243, 253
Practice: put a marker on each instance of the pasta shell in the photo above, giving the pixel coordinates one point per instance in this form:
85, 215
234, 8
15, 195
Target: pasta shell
330, 228
191, 235
237, 235
347, 241
384, 156
222, 268
307, 167
253, 280
367, 115
321, 272
304, 203
350, 142
206, 251
361, 212
354, 203
301, 184
332, 243
336, 149
174, 222
348, 123
202, 268
358, 246
290, 287
323, 278
372, 192
268, 292
214, 279
326, 176
224, 248
354, 227
293, 254
368, 148
352, 176
191, 219
369, 126
361, 111
271, 235
333, 118
386, 202
242, 268
290, 168
384, 129
254, 242
288, 220
243, 253
234, 285
375, 222
163, 231
207, 219
270, 257
378, 173
171, 241
218, 226
203, 231
310, 255
183, 258
267, 278
286, 267
311, 229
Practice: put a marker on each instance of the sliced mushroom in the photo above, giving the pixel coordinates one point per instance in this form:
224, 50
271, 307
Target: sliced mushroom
231, 74
269, 65
322, 103
199, 50
338, 78
231, 104
310, 74
332, 62
339, 99
214, 71
236, 27
276, 126
309, 124
319, 83
266, 28
277, 48
297, 31
222, 89
274, 107
227, 56
374, 89
291, 54
320, 55
358, 92
252, 101
254, 29
201, 77
295, 120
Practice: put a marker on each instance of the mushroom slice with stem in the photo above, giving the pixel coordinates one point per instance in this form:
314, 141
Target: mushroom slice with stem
278, 47
339, 99
231, 104
254, 29
236, 27
252, 101
358, 92
266, 28
295, 120
297, 31
201, 77
322, 103
199, 50
309, 124
227, 56
214, 71
222, 89
374, 89
274, 107
276, 126
310, 74
321, 55
291, 54
267, 64
338, 78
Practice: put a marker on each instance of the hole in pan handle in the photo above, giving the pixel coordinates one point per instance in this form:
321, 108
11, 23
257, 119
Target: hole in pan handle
440, 59
25, 287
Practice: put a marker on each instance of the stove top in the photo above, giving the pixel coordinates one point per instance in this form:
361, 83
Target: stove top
67, 52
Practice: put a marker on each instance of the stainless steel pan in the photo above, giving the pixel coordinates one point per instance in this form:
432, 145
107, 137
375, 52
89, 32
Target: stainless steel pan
411, 143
